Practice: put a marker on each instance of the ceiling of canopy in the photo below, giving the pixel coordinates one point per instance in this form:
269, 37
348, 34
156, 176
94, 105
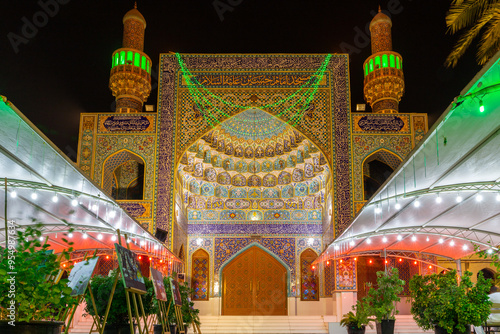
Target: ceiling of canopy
257, 155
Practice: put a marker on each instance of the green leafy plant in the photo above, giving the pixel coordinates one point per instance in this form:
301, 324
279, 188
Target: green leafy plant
356, 320
37, 296
381, 301
118, 314
446, 301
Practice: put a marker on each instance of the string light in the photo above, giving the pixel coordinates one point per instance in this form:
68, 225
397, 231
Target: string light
397, 206
112, 214
34, 195
400, 237
459, 199
439, 199
452, 243
479, 198
440, 240
13, 194
84, 236
371, 261
489, 251
378, 210
414, 238
368, 241
351, 242
427, 239
55, 199
355, 259
70, 235
498, 198
327, 263
416, 203
464, 247
99, 236
481, 106
414, 262
384, 239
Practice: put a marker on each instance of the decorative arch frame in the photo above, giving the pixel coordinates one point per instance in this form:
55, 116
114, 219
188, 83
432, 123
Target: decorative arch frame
373, 154
202, 254
108, 168
235, 255
333, 95
305, 271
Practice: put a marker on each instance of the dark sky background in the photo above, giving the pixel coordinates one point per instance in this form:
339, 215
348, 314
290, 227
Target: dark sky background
61, 69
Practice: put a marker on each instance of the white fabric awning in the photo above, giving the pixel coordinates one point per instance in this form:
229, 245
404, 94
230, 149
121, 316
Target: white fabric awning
444, 199
44, 185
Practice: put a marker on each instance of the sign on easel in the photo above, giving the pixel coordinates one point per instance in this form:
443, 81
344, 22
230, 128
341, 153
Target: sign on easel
80, 276
176, 296
130, 269
157, 278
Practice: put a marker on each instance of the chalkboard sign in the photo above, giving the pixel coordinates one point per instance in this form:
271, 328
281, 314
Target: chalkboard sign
176, 292
157, 278
80, 276
130, 269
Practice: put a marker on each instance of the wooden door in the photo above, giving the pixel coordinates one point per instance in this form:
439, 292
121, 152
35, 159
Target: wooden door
254, 283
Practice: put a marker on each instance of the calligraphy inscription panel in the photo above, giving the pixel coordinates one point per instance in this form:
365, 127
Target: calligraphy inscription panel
381, 123
127, 123
255, 80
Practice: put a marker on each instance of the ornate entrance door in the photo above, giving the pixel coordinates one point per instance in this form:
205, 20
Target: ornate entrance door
254, 283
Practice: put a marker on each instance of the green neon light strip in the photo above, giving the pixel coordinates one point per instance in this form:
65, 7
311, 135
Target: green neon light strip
207, 115
198, 97
313, 80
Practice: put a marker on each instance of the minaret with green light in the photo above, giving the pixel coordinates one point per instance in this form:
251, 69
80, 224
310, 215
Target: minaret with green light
130, 78
384, 81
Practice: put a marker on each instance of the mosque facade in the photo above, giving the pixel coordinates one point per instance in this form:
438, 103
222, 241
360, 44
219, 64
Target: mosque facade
251, 165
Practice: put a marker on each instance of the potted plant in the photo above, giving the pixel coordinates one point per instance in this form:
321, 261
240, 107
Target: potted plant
32, 300
381, 301
356, 322
449, 304
189, 313
118, 321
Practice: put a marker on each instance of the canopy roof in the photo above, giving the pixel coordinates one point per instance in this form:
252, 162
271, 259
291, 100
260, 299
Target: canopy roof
45, 186
444, 199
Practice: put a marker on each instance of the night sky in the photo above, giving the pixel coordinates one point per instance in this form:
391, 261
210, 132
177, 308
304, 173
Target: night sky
61, 68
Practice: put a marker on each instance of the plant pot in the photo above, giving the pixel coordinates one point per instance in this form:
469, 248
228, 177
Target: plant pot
118, 329
386, 326
356, 330
34, 327
441, 330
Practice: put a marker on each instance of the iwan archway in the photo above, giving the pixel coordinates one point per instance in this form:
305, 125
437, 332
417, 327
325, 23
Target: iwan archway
254, 283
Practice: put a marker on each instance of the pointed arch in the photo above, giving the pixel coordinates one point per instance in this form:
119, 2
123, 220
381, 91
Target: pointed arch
377, 167
200, 275
256, 244
123, 175
309, 282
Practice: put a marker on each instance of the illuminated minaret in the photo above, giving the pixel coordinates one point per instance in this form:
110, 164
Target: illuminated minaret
130, 78
384, 81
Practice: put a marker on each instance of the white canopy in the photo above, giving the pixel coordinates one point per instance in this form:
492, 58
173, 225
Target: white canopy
444, 199
44, 185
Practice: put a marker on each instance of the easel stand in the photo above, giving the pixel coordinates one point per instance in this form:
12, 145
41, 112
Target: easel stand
163, 312
134, 295
178, 317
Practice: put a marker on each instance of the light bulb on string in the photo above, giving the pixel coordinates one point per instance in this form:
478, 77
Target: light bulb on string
74, 202
368, 241
464, 247
489, 251
498, 197
384, 239
481, 105
416, 203
459, 199
13, 194
414, 238
113, 238
112, 214
452, 243
85, 236
34, 195
55, 199
440, 240
70, 235
479, 198
400, 237
397, 206
378, 210
438, 199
